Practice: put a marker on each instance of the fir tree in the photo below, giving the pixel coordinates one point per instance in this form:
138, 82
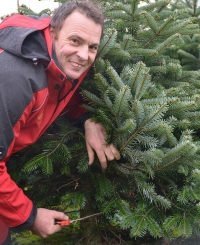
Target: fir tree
145, 90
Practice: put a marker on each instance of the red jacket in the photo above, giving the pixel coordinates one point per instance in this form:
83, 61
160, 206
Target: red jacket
33, 92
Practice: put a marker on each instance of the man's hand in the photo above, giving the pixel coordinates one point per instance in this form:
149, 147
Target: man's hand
95, 136
44, 224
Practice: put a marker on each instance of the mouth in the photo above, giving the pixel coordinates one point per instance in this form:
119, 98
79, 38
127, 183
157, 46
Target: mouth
75, 64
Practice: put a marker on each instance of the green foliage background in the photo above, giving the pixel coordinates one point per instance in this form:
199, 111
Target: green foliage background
144, 88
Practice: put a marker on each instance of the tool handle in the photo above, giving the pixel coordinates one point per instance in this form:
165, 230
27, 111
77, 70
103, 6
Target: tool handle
63, 222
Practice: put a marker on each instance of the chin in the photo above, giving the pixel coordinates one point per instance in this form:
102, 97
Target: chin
73, 76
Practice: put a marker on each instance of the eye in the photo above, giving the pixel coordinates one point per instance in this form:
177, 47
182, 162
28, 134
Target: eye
75, 41
94, 48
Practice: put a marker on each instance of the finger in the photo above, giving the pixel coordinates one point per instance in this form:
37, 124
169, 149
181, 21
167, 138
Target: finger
111, 152
102, 159
56, 228
100, 151
90, 154
108, 153
60, 215
115, 152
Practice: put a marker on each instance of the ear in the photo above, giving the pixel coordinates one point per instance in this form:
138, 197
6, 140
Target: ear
53, 33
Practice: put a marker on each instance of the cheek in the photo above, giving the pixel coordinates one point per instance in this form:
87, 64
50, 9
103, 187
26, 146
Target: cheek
65, 50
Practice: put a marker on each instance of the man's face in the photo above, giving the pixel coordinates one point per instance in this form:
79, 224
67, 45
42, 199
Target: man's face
76, 44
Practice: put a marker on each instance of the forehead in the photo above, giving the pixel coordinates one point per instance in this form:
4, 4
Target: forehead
77, 23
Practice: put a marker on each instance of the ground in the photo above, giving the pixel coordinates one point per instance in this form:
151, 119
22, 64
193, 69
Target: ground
26, 238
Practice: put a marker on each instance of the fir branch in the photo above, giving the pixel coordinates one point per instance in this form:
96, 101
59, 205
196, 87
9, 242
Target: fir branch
177, 27
44, 158
152, 127
176, 153
166, 130
187, 195
147, 141
104, 188
89, 108
138, 156
158, 4
127, 41
83, 165
154, 227
139, 73
188, 55
108, 102
126, 74
148, 192
157, 113
171, 222
128, 126
125, 170
183, 196
166, 43
107, 42
134, 6
139, 227
108, 206
118, 14
185, 227
104, 117
138, 111
165, 98
123, 7
151, 22
93, 98
142, 86
76, 200
117, 51
115, 78
193, 116
179, 107
101, 82
166, 23
143, 52
121, 104
99, 67
179, 222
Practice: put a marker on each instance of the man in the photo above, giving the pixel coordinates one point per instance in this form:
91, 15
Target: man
42, 63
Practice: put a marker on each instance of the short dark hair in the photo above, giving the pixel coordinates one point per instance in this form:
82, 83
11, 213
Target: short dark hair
89, 8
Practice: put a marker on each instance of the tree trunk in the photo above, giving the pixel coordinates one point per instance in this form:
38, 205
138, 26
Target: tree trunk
17, 5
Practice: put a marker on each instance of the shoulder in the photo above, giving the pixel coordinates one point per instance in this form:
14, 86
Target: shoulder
19, 72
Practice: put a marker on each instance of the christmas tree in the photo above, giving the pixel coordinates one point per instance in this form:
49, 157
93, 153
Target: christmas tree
144, 88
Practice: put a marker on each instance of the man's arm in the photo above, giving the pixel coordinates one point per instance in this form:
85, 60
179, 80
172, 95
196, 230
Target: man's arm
17, 211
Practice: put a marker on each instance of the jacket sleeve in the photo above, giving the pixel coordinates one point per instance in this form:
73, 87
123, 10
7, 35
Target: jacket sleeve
16, 209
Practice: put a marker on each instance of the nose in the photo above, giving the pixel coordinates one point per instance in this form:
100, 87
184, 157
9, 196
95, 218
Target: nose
83, 52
